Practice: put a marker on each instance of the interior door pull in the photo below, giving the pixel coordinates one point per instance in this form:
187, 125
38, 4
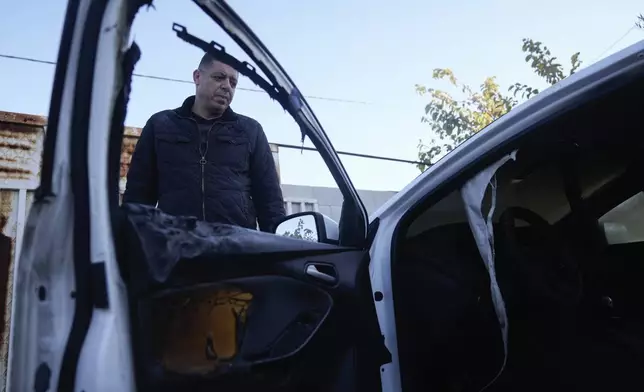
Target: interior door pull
312, 271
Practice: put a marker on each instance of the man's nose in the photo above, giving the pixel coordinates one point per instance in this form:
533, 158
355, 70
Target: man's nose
226, 85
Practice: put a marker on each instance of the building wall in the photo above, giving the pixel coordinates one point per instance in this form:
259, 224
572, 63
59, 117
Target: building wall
327, 201
21, 144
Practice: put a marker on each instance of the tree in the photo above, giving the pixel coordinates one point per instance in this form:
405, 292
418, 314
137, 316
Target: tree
301, 232
454, 120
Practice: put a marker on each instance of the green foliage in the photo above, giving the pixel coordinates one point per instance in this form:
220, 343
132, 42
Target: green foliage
301, 232
544, 64
453, 120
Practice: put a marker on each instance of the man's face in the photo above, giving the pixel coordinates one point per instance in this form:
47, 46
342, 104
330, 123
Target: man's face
216, 85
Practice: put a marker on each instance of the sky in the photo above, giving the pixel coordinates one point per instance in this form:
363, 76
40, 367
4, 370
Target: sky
371, 52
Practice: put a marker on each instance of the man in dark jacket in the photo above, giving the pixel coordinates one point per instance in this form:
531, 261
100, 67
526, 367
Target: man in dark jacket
204, 160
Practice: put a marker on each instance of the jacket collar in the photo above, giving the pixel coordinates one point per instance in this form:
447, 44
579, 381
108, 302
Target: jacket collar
185, 110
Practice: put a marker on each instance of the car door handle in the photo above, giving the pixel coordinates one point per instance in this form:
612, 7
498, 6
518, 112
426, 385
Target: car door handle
313, 271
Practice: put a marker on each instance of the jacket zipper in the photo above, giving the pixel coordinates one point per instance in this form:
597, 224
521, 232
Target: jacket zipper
202, 163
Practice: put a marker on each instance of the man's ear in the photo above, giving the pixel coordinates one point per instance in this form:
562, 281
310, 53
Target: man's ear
195, 76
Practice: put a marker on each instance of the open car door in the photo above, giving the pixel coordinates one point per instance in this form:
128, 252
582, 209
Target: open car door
111, 298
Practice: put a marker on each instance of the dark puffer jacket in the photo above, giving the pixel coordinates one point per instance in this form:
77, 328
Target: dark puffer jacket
235, 183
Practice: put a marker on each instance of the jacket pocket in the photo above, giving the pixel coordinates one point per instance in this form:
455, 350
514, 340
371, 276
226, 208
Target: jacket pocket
230, 151
174, 148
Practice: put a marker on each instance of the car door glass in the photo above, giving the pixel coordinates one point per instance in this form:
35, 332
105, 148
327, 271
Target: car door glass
623, 224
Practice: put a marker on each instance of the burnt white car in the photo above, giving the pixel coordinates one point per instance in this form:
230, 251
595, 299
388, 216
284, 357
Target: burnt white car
514, 263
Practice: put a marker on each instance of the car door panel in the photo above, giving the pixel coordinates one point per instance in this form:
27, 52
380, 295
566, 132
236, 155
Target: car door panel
231, 299
219, 327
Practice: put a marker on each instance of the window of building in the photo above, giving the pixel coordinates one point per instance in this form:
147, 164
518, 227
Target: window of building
294, 205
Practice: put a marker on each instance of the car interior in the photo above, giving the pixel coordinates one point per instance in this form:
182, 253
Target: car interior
569, 259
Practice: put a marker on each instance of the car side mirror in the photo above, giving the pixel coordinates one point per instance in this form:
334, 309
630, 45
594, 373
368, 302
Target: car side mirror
309, 226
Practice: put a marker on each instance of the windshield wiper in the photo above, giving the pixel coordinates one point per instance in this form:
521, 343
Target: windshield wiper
290, 102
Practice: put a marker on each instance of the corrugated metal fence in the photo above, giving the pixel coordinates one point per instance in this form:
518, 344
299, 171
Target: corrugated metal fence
21, 145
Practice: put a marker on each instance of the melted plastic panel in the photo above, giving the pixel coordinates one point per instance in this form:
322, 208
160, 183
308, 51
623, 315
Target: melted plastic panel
166, 239
211, 301
211, 332
473, 194
199, 332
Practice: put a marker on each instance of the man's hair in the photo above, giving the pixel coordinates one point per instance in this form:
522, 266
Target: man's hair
206, 61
